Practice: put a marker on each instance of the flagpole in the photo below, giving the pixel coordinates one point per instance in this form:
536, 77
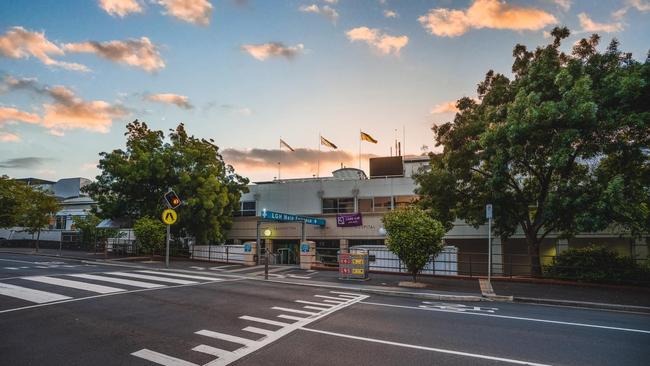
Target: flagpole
279, 159
359, 149
318, 171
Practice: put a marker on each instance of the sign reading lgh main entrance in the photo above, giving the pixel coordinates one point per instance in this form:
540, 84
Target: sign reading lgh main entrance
279, 216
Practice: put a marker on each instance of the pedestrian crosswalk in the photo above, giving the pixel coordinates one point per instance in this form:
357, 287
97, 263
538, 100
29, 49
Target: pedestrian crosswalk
53, 288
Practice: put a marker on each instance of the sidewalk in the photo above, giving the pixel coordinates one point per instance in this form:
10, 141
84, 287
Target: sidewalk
558, 293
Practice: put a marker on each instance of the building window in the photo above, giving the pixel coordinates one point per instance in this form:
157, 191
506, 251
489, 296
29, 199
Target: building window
365, 204
338, 205
382, 204
60, 223
405, 201
246, 208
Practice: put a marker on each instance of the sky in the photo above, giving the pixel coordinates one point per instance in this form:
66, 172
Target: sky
248, 73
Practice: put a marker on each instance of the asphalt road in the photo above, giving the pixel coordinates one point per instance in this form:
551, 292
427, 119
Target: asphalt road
64, 312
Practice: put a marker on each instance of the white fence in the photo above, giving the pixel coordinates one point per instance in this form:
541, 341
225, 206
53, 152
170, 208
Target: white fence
382, 259
218, 253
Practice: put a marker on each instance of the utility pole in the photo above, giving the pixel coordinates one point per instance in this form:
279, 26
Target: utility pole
488, 214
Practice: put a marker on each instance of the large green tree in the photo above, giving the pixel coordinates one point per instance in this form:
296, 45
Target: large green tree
37, 209
133, 181
562, 146
12, 198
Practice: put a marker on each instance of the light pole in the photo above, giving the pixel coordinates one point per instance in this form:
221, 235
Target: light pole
488, 215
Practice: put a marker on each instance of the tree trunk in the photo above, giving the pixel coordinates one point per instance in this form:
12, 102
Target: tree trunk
415, 276
535, 259
38, 238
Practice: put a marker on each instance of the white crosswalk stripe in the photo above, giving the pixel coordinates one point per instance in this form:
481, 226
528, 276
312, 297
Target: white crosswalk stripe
174, 274
161, 359
120, 281
74, 284
153, 278
29, 294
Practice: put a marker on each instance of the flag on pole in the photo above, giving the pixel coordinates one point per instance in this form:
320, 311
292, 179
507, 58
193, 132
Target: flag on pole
326, 142
366, 137
284, 143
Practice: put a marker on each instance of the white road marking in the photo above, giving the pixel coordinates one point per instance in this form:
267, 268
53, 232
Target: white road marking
439, 350
337, 299
262, 320
198, 268
293, 310
161, 359
314, 303
243, 269
264, 332
511, 317
183, 276
152, 278
219, 268
120, 281
16, 260
213, 351
29, 294
345, 294
74, 284
12, 268
225, 337
299, 277
315, 308
333, 301
290, 317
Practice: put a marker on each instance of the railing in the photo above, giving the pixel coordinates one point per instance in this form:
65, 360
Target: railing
218, 253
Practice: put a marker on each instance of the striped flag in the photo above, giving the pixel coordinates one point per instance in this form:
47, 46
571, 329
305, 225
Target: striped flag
326, 142
284, 143
366, 137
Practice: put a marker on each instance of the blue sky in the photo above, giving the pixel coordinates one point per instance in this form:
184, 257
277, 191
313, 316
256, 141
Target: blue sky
246, 73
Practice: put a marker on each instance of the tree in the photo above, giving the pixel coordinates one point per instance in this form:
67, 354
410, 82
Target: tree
133, 181
37, 209
414, 236
12, 198
560, 148
90, 234
150, 234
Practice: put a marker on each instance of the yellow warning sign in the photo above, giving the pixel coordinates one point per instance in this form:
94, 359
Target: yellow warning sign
169, 216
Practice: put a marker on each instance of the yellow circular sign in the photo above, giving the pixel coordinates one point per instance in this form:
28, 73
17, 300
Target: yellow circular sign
169, 216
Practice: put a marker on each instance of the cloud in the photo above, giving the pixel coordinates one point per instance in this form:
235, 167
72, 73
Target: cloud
23, 163
241, 111
390, 14
89, 166
8, 137
21, 43
494, 14
565, 5
382, 42
272, 49
68, 111
191, 11
588, 25
180, 101
12, 114
446, 107
325, 10
56, 133
268, 158
120, 8
140, 53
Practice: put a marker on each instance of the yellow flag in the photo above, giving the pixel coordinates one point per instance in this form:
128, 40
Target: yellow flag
326, 142
366, 137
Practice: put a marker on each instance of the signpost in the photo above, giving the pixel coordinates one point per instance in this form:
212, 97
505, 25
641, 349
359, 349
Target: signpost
169, 217
488, 215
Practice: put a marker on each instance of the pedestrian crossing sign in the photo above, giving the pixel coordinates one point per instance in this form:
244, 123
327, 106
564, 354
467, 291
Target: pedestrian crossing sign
169, 216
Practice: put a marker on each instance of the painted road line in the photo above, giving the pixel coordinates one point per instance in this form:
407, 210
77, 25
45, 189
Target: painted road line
12, 268
333, 301
226, 337
290, 317
264, 332
337, 299
161, 359
262, 320
345, 294
244, 269
314, 303
198, 268
74, 284
213, 351
226, 266
29, 294
293, 310
120, 281
184, 276
439, 350
152, 278
511, 317
315, 308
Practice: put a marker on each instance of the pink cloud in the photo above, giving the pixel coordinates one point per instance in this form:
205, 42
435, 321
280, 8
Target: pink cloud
272, 49
191, 11
13, 114
447, 107
180, 101
120, 8
588, 25
140, 53
382, 42
9, 137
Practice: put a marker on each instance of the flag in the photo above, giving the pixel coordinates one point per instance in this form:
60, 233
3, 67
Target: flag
283, 143
366, 137
326, 142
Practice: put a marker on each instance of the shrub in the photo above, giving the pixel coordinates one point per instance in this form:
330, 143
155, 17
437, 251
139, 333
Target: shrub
596, 264
150, 234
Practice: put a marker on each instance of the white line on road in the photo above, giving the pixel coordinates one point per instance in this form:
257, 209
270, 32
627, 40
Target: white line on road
243, 269
314, 303
264, 332
74, 284
29, 294
225, 337
510, 317
265, 321
161, 359
315, 308
290, 317
120, 281
345, 294
213, 351
221, 268
439, 350
183, 276
293, 310
337, 299
153, 278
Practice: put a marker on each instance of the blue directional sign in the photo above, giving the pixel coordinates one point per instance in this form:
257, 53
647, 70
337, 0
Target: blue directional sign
279, 216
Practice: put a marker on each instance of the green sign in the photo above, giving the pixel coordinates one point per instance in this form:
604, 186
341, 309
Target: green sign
279, 216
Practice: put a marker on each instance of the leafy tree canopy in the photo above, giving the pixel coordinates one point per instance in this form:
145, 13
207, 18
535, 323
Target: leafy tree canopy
561, 146
133, 181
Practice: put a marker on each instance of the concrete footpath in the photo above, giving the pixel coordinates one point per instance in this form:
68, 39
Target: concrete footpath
609, 297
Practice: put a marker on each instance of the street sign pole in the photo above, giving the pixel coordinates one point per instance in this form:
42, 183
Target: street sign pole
488, 214
167, 248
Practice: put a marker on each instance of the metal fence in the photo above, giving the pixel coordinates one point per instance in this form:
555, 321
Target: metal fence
217, 253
